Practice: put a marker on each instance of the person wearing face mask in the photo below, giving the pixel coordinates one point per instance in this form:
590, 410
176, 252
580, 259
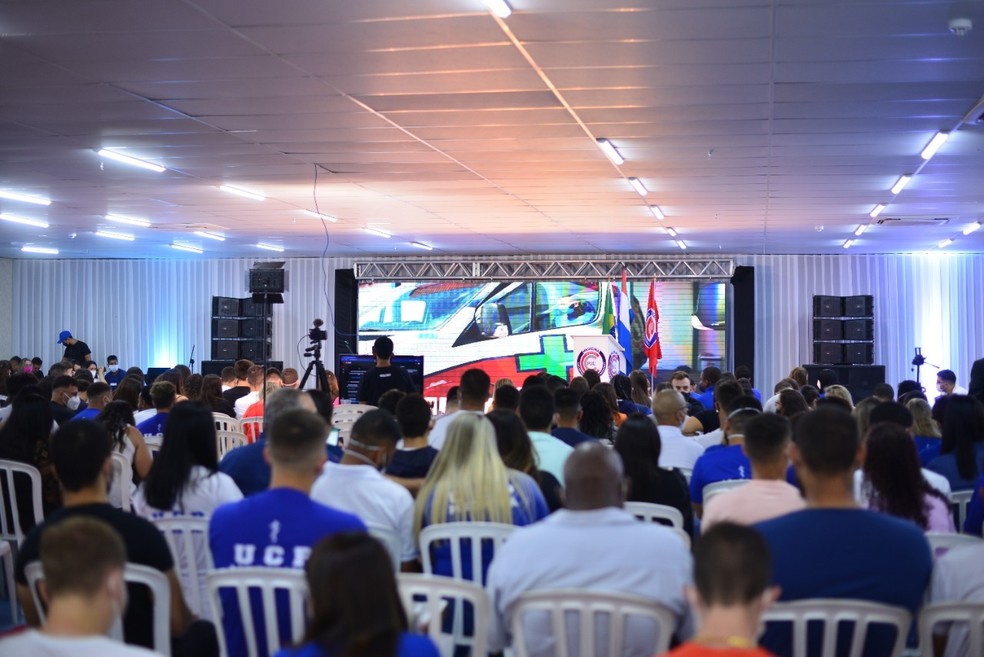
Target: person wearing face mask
83, 560
357, 485
113, 374
670, 412
65, 399
75, 350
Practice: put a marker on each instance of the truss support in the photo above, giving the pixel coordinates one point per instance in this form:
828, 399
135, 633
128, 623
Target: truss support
542, 268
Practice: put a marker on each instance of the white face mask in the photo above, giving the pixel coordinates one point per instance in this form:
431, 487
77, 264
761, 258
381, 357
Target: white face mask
113, 368
73, 403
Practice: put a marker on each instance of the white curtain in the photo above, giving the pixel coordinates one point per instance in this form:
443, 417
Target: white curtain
928, 301
150, 313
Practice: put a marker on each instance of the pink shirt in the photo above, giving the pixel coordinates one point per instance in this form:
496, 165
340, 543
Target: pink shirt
756, 501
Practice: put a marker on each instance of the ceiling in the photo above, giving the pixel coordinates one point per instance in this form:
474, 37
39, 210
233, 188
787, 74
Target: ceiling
757, 126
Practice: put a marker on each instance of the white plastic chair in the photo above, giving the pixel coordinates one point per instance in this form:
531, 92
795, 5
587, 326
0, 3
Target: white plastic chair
133, 573
351, 409
832, 613
390, 538
344, 428
478, 533
426, 597
960, 499
226, 441
187, 537
225, 423
969, 640
649, 512
687, 473
7, 557
11, 531
942, 542
154, 442
267, 581
718, 487
251, 427
572, 616
119, 494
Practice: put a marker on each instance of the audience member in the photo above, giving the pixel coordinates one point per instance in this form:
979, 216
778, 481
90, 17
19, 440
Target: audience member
113, 375
174, 377
639, 445
826, 378
946, 383
596, 418
680, 381
962, 446
709, 378
384, 375
325, 409
883, 392
118, 421
790, 403
768, 495
925, 431
238, 387
193, 387
607, 392
83, 560
623, 392
579, 544
976, 386
24, 438
163, 394
728, 461
862, 414
516, 451
732, 570
98, 396
592, 378
890, 560
290, 378
469, 483
389, 399
413, 460
505, 398
64, 398
129, 391
567, 404
452, 401
145, 406
356, 484
278, 527
355, 606
254, 380
579, 385
810, 395
725, 392
228, 376
784, 384
536, 410
503, 381
893, 482
840, 392
474, 394
211, 396
670, 412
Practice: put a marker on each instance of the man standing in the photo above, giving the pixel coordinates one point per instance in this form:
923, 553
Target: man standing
384, 376
581, 540
536, 410
473, 393
76, 351
279, 527
670, 412
113, 374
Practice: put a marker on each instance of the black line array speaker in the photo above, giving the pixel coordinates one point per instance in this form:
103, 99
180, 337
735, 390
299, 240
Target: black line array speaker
225, 349
859, 353
240, 329
828, 329
828, 353
859, 379
859, 306
828, 306
225, 307
843, 330
346, 312
859, 329
743, 319
225, 328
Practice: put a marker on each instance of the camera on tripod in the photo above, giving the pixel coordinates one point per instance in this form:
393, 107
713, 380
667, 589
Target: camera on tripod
316, 335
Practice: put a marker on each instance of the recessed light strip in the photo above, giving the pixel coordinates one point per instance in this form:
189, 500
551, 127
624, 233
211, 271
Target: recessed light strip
269, 247
972, 228
901, 183
114, 235
211, 236
860, 230
934, 144
378, 231
500, 8
24, 198
945, 243
848, 244
132, 161
186, 247
657, 212
421, 245
639, 187
608, 148
130, 221
681, 245
326, 217
877, 210
39, 249
245, 193
27, 221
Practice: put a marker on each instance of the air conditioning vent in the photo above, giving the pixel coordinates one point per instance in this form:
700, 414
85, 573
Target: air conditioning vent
913, 220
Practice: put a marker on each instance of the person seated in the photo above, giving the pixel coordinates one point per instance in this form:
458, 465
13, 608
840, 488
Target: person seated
354, 604
725, 392
255, 381
728, 461
567, 403
925, 430
893, 481
164, 395
962, 445
83, 560
596, 418
24, 437
65, 399
413, 460
389, 399
582, 541
670, 412
238, 385
129, 442
357, 486
536, 410
623, 392
505, 398
768, 495
473, 394
639, 444
732, 570
516, 450
211, 396
98, 395
890, 560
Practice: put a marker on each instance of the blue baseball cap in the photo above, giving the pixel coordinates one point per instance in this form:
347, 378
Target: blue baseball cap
64, 335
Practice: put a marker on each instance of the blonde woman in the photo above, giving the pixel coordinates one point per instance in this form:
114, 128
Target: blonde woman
840, 392
924, 430
469, 482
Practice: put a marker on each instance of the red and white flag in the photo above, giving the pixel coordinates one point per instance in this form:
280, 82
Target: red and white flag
650, 341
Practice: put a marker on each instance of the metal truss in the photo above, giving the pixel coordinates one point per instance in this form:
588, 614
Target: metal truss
543, 268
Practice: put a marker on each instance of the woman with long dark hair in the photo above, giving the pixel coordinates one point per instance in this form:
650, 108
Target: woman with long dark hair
607, 392
24, 438
516, 451
639, 445
893, 482
211, 396
623, 393
129, 391
355, 607
641, 393
128, 441
596, 417
962, 446
790, 403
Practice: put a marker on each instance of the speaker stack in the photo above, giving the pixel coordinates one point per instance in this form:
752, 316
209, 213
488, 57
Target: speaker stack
240, 330
844, 341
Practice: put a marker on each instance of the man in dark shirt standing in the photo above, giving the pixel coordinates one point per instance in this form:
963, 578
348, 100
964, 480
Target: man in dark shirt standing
384, 376
75, 350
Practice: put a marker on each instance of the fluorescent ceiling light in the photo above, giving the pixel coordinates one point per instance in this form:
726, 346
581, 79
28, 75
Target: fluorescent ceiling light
326, 217
608, 148
132, 161
671, 232
112, 234
27, 221
657, 212
421, 245
25, 198
681, 244
860, 230
639, 187
39, 249
877, 210
848, 244
269, 247
901, 183
186, 247
934, 144
211, 236
972, 228
945, 243
500, 8
377, 231
131, 221
245, 193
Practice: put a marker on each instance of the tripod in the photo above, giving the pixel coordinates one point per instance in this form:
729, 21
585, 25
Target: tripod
319, 368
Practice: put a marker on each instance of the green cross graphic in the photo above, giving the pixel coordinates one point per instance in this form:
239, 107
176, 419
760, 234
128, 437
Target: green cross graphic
554, 357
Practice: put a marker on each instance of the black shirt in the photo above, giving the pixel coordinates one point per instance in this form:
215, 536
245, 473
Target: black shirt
412, 463
669, 487
572, 437
145, 545
61, 414
232, 394
380, 379
77, 351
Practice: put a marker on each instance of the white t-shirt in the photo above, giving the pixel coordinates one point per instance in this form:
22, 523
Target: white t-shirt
957, 577
363, 491
145, 414
36, 644
243, 403
677, 451
710, 439
439, 433
753, 502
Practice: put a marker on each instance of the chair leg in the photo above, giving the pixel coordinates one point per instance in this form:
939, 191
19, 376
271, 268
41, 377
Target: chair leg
8, 569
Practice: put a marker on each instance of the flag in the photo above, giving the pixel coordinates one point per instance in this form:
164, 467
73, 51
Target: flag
650, 341
624, 324
608, 314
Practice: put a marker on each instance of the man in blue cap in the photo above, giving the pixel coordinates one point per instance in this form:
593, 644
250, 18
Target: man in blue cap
75, 350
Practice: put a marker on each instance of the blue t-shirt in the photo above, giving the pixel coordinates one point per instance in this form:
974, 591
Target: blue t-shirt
114, 378
277, 528
249, 469
706, 398
928, 448
974, 522
87, 414
411, 645
412, 463
572, 437
946, 465
718, 464
153, 425
846, 553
